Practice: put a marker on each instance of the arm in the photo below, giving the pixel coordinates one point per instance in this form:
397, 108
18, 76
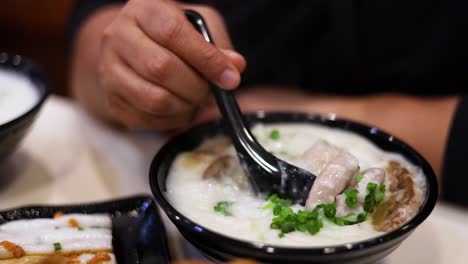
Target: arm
424, 123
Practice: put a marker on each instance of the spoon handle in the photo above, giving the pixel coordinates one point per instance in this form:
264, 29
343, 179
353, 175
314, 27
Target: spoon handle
226, 101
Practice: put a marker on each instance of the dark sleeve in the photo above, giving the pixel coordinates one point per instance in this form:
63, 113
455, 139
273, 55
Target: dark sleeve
81, 11
455, 173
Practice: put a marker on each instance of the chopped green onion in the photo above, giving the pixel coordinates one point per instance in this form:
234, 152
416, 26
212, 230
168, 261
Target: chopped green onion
345, 220
342, 220
361, 217
285, 220
276, 210
351, 198
276, 200
80, 228
374, 197
288, 227
313, 227
274, 134
329, 209
371, 186
369, 203
222, 207
359, 177
379, 193
57, 246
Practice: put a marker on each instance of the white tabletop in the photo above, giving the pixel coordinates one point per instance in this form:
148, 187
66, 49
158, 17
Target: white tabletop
69, 157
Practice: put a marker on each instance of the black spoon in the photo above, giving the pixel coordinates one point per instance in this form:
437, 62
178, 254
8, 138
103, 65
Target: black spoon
267, 174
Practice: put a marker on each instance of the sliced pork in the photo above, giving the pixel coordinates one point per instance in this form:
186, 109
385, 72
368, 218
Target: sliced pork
374, 175
316, 158
333, 179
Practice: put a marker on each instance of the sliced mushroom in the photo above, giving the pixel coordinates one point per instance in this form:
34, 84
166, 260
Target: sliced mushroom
217, 167
406, 203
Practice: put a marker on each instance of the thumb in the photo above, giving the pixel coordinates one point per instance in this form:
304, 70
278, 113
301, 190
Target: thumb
236, 58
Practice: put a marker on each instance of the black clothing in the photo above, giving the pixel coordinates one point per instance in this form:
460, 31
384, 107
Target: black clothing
353, 47
455, 174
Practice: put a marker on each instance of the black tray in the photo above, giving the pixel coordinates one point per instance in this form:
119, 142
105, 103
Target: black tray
137, 229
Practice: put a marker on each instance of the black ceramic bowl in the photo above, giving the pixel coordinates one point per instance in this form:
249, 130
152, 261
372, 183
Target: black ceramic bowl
219, 247
12, 132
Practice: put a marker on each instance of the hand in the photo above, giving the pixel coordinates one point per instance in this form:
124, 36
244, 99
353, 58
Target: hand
154, 66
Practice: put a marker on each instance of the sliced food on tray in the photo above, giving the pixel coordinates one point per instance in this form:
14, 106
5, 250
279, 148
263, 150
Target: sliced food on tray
65, 238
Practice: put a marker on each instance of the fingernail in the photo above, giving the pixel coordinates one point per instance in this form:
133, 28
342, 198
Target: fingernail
231, 53
229, 79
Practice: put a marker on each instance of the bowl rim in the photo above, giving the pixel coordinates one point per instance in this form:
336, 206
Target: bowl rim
204, 233
34, 73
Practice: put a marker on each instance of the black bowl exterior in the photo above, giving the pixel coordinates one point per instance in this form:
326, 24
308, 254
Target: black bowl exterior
219, 247
220, 251
12, 132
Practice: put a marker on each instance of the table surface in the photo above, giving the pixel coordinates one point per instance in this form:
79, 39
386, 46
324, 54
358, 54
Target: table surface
69, 157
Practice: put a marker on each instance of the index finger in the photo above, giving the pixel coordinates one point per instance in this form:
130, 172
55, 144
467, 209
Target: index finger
166, 24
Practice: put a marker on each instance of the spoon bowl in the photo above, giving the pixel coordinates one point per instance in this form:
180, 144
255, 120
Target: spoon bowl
267, 174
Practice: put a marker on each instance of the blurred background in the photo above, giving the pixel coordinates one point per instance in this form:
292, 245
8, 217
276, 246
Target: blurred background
37, 29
